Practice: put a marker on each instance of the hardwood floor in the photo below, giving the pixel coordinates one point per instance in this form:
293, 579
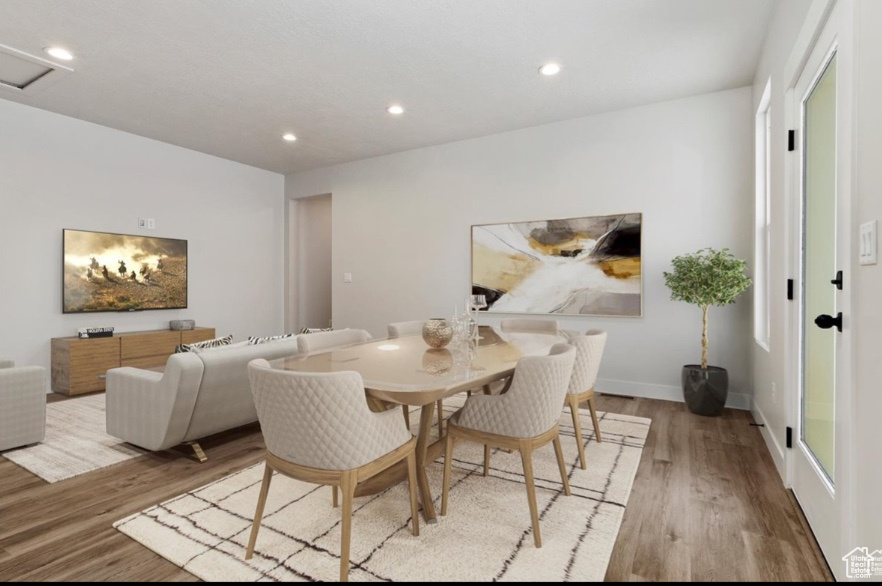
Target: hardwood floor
707, 504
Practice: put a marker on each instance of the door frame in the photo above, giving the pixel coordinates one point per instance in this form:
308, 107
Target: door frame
808, 40
293, 211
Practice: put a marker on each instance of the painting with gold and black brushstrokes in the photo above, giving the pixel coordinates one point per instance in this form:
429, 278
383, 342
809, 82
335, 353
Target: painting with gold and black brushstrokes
573, 266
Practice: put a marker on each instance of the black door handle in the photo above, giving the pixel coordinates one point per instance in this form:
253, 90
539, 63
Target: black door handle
825, 322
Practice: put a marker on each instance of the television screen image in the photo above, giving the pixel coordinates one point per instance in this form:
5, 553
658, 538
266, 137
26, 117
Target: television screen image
123, 272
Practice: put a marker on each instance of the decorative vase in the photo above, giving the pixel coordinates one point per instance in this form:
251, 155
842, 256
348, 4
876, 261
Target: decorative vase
705, 390
437, 361
437, 332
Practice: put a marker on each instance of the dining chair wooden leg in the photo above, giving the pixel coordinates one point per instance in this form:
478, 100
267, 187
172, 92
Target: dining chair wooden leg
258, 514
486, 459
406, 410
594, 418
334, 501
558, 451
440, 418
347, 485
527, 459
448, 460
573, 402
412, 487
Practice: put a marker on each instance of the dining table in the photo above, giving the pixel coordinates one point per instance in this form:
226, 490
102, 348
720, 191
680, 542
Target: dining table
406, 371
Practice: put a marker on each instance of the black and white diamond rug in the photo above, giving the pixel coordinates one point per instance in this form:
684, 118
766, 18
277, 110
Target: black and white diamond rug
485, 536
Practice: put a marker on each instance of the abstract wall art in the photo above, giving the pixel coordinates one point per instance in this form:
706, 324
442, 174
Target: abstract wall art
573, 266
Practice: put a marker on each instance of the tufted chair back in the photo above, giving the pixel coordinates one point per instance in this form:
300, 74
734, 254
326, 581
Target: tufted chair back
321, 420
532, 404
589, 351
527, 324
406, 328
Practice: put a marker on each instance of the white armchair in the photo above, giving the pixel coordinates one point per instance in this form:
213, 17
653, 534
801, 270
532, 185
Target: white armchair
524, 418
318, 428
589, 351
22, 405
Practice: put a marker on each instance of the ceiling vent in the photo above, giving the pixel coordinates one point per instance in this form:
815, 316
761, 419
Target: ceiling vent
27, 74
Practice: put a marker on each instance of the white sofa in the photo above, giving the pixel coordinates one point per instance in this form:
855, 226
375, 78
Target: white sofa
197, 395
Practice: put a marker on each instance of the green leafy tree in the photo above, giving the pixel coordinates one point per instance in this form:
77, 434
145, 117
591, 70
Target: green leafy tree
704, 278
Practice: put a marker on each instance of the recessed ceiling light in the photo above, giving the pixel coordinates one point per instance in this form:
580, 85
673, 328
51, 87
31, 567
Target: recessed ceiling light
59, 53
289, 137
550, 69
395, 109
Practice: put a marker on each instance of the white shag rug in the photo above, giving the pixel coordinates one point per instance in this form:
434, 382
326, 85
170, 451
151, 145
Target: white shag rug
486, 535
75, 441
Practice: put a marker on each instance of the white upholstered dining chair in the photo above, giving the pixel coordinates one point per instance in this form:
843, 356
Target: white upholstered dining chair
589, 351
524, 418
405, 328
22, 405
318, 341
318, 429
529, 324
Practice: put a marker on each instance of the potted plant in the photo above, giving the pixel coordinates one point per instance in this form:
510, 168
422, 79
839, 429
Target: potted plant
704, 278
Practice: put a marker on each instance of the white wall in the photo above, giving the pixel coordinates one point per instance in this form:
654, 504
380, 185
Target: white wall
401, 223
867, 309
769, 366
314, 251
58, 172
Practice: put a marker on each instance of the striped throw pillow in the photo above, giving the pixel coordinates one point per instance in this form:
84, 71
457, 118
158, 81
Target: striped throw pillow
305, 330
254, 340
215, 343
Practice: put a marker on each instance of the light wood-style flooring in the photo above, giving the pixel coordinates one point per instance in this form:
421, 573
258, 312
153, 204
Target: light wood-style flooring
707, 504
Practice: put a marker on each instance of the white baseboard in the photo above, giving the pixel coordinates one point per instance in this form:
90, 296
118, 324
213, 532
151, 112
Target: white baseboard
774, 447
662, 392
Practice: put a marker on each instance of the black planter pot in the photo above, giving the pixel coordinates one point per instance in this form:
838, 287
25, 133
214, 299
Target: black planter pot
705, 391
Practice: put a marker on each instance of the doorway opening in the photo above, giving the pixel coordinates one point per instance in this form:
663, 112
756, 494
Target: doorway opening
308, 284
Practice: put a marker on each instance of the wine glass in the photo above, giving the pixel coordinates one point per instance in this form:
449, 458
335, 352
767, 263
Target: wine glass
477, 302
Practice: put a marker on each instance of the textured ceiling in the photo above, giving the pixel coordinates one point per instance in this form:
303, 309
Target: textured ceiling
228, 77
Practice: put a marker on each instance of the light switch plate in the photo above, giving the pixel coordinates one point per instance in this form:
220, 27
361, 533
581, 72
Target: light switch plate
347, 277
868, 243
151, 224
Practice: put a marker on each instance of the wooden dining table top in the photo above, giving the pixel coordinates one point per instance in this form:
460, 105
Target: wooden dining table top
406, 370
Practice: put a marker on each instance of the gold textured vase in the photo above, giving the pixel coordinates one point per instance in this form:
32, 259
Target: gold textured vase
437, 332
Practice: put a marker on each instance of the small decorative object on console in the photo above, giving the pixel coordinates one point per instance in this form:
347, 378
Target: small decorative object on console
437, 332
105, 332
181, 324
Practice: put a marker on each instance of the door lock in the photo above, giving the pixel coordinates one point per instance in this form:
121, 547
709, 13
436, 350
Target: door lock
825, 322
838, 280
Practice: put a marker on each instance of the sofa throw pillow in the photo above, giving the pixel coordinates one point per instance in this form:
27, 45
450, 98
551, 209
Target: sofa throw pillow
220, 348
305, 330
224, 341
254, 340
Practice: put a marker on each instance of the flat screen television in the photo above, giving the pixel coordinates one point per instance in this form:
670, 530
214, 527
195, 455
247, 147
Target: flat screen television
122, 272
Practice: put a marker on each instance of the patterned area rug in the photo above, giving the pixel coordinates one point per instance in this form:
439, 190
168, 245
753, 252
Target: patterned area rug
75, 441
485, 536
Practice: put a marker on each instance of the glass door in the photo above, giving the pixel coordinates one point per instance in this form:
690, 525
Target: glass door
818, 460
